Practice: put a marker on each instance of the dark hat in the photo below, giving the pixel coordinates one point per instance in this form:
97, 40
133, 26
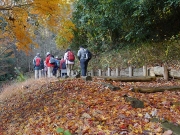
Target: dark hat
68, 50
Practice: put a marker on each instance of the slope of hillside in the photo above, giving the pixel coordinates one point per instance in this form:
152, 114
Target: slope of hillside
75, 106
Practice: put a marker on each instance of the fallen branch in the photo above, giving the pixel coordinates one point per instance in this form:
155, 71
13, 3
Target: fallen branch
155, 89
175, 103
129, 79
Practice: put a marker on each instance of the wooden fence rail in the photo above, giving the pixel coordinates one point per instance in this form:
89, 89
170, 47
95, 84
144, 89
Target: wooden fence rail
163, 71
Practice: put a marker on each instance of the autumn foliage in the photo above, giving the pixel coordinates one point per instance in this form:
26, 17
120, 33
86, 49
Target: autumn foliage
86, 107
20, 19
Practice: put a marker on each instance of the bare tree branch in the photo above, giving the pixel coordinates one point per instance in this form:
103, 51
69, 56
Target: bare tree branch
3, 51
11, 7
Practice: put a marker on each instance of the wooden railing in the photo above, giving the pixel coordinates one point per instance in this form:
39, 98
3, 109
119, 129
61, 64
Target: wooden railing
144, 71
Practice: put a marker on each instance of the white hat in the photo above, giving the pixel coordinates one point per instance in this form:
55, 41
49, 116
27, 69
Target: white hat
47, 53
56, 57
38, 54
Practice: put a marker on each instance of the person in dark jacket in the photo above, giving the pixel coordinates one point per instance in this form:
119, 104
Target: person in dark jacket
56, 67
38, 66
63, 67
82, 56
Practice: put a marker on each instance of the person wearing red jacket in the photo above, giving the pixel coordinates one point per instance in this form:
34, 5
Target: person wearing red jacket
49, 65
69, 63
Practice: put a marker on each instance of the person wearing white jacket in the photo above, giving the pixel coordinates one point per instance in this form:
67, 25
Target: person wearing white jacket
69, 63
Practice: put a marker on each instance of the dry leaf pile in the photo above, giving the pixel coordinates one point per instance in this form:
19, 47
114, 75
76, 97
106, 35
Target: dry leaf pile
87, 108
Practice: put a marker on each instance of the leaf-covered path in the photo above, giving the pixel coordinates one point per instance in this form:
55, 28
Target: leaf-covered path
87, 107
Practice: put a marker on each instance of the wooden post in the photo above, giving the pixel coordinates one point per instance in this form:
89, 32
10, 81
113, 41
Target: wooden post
109, 72
144, 70
100, 72
130, 71
165, 73
92, 72
117, 71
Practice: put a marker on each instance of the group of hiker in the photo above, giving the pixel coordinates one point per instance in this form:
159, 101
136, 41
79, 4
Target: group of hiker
55, 67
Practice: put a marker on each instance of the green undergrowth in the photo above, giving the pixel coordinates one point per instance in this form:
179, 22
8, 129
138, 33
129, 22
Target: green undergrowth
151, 54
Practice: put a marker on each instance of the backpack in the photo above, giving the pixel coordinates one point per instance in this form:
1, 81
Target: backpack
63, 65
37, 61
70, 56
58, 63
88, 55
52, 60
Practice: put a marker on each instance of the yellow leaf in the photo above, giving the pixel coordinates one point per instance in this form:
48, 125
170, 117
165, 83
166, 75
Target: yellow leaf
107, 132
99, 127
178, 122
48, 119
45, 108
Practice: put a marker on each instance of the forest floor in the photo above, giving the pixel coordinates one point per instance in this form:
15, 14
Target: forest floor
78, 107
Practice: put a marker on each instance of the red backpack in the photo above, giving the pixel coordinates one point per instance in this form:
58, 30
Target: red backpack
70, 56
38, 61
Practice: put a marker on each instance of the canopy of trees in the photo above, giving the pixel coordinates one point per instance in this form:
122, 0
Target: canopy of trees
106, 24
21, 25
